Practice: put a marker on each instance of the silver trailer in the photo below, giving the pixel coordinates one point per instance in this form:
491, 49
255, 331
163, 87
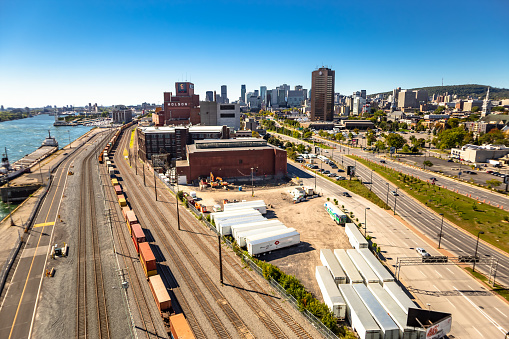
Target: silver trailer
329, 260
382, 273
255, 224
222, 215
362, 266
395, 312
352, 275
355, 237
261, 243
399, 296
388, 328
330, 292
225, 226
358, 315
241, 236
258, 205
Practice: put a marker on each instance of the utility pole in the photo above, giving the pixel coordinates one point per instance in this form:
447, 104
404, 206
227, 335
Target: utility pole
144, 175
476, 246
252, 183
220, 259
440, 234
155, 183
177, 197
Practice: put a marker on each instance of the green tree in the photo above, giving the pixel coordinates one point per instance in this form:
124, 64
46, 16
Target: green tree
427, 163
450, 138
493, 183
439, 110
475, 109
255, 134
494, 136
395, 140
380, 145
308, 135
453, 122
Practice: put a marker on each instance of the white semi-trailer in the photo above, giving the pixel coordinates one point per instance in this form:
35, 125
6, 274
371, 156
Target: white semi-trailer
358, 315
352, 274
362, 266
329, 260
261, 243
330, 292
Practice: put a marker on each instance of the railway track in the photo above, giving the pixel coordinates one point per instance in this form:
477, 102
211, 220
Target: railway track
87, 219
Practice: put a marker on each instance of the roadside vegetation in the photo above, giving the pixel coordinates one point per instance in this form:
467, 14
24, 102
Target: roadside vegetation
9, 115
131, 142
469, 214
357, 187
499, 289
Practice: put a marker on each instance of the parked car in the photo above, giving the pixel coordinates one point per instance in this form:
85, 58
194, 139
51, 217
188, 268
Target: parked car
382, 161
450, 160
346, 194
325, 172
340, 170
489, 172
339, 177
333, 165
422, 252
332, 175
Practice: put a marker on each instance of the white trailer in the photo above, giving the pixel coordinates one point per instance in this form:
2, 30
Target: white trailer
362, 266
241, 236
262, 243
330, 292
394, 311
254, 225
258, 205
358, 315
225, 226
382, 273
355, 237
399, 296
352, 275
221, 215
329, 260
388, 328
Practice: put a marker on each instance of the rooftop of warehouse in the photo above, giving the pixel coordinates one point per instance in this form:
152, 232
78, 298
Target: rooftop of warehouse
228, 145
171, 129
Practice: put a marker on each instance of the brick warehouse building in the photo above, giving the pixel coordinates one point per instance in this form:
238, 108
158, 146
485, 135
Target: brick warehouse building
232, 159
181, 109
173, 140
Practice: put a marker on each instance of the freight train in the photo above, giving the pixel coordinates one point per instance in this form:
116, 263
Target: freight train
176, 324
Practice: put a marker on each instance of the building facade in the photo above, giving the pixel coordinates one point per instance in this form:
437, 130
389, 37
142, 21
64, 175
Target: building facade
243, 93
322, 94
121, 114
179, 109
224, 95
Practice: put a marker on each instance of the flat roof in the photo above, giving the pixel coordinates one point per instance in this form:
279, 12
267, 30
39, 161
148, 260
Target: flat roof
192, 149
171, 129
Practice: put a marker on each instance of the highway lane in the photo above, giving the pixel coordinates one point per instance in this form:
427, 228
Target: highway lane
19, 305
477, 313
455, 240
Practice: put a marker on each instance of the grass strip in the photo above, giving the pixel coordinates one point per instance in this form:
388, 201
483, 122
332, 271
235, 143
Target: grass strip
501, 290
131, 142
471, 215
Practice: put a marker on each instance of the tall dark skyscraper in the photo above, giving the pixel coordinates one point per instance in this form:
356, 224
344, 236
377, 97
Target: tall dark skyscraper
322, 94
243, 93
224, 96
209, 96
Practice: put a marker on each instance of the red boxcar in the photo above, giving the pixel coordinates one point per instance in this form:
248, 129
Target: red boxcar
147, 259
159, 292
179, 327
131, 219
137, 235
118, 189
124, 212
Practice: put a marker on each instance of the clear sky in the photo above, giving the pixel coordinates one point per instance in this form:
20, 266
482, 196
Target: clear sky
55, 52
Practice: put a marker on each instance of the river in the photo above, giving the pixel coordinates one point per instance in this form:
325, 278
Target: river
23, 136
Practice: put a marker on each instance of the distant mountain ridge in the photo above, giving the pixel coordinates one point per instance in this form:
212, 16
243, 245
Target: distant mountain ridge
463, 91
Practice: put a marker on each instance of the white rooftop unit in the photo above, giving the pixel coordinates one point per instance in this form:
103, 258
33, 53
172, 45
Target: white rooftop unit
330, 292
266, 242
355, 237
362, 266
241, 236
225, 226
399, 296
358, 314
388, 328
394, 311
352, 275
222, 215
382, 273
329, 260
255, 224
258, 205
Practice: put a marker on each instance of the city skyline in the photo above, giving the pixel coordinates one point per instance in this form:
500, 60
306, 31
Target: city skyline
112, 55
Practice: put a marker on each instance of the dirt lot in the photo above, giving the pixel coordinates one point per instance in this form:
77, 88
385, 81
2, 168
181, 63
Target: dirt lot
309, 218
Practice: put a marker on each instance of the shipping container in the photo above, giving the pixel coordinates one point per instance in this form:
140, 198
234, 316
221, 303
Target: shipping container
179, 327
262, 243
329, 260
352, 275
396, 313
118, 189
355, 237
224, 215
225, 226
111, 171
241, 236
121, 200
388, 328
159, 292
335, 213
258, 205
147, 259
362, 266
131, 217
138, 235
124, 212
114, 182
108, 163
331, 296
399, 296
380, 270
358, 315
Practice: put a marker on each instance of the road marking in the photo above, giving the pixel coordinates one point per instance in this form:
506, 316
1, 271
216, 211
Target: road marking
478, 332
45, 224
438, 274
450, 303
500, 312
500, 328
447, 268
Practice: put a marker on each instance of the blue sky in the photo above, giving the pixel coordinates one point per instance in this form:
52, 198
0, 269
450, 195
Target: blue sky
126, 52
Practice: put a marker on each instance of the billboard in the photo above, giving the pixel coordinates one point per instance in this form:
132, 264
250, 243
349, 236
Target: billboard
181, 87
437, 324
440, 329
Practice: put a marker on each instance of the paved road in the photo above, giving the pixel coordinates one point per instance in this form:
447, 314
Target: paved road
18, 308
477, 313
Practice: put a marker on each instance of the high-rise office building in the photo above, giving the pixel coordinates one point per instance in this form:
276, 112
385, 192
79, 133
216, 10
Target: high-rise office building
363, 94
224, 96
263, 93
243, 93
322, 94
209, 96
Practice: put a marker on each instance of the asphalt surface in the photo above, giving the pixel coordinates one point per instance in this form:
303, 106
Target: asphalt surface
477, 313
19, 305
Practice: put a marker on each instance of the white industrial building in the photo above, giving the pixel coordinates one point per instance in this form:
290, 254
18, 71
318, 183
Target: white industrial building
479, 154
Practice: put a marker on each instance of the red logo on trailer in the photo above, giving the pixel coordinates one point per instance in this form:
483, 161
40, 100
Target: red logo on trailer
277, 242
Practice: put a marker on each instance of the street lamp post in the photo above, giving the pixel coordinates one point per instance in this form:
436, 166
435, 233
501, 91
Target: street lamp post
440, 234
365, 232
476, 246
387, 193
371, 181
252, 183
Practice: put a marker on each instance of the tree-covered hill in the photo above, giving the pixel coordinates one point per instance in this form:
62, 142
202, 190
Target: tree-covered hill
463, 91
